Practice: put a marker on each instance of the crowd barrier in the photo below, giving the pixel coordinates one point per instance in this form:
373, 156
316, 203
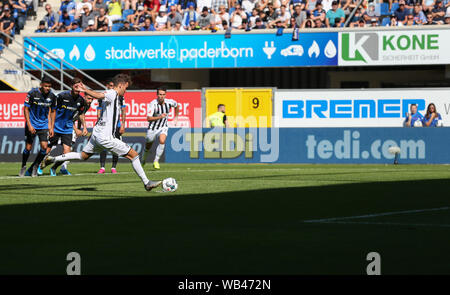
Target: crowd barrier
137, 102
355, 107
308, 145
277, 145
245, 107
268, 107
12, 143
258, 48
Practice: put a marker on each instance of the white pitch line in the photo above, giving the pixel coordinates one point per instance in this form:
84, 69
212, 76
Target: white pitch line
375, 215
388, 223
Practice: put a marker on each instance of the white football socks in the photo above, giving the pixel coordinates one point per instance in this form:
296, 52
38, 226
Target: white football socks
138, 169
68, 157
159, 152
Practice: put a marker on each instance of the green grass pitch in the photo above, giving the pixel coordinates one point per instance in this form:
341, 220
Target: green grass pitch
228, 219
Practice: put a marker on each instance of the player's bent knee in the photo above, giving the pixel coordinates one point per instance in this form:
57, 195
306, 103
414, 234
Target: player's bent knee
85, 156
132, 154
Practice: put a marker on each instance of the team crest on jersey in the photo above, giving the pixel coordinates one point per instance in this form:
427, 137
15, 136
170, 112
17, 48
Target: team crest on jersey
27, 99
49, 99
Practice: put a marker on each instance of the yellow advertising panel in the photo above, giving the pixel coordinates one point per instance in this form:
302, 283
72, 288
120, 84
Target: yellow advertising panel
256, 107
244, 107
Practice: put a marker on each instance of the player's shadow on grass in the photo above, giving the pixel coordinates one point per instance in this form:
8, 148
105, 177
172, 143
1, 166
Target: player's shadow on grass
31, 186
245, 232
86, 189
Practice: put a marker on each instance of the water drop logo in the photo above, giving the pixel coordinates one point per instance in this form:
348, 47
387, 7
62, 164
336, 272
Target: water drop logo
89, 53
75, 53
330, 50
314, 49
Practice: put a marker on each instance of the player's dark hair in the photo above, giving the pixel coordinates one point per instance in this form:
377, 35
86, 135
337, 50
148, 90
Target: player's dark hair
75, 80
46, 79
126, 77
428, 114
220, 105
120, 79
161, 88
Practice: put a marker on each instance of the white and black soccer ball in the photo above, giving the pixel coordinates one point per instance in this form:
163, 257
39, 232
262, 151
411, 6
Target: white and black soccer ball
169, 185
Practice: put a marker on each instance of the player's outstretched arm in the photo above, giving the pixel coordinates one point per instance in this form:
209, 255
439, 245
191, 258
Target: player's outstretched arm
82, 88
82, 119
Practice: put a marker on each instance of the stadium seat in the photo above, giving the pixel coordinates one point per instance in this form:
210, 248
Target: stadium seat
384, 9
126, 13
116, 27
386, 21
394, 7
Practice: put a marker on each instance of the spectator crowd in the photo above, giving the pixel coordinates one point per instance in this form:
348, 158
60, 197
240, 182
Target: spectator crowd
214, 15
13, 16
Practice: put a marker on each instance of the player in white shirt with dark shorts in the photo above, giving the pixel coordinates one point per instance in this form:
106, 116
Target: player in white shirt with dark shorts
103, 133
157, 118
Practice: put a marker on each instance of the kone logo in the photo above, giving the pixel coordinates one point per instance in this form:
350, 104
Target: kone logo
359, 46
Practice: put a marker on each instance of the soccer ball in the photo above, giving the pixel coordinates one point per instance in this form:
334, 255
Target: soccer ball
169, 185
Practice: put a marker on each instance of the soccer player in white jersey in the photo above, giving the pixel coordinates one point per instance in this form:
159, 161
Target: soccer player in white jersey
157, 118
103, 133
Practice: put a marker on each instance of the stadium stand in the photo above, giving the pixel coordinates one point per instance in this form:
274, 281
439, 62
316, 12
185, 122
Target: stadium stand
186, 15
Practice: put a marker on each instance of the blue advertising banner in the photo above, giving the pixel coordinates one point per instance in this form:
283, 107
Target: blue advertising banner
159, 51
309, 145
12, 143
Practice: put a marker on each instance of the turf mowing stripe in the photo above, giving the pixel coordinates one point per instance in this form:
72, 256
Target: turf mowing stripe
166, 171
376, 215
386, 223
217, 170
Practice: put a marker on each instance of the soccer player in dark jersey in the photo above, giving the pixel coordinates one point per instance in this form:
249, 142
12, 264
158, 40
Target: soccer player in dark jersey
79, 122
68, 104
118, 133
40, 105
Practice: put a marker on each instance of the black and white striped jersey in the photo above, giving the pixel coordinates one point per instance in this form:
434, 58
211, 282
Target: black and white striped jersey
156, 109
107, 123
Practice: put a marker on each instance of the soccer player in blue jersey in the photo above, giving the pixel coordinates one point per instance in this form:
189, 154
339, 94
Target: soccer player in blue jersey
432, 118
39, 112
68, 105
79, 123
118, 133
414, 118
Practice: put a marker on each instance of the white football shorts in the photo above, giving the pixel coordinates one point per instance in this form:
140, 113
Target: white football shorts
112, 144
153, 134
